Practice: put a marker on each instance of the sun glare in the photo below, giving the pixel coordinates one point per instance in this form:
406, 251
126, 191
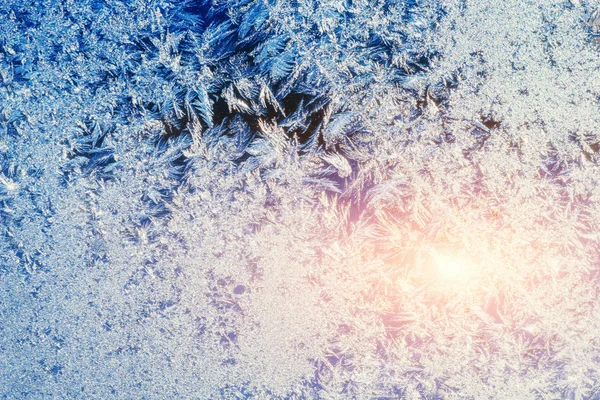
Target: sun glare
451, 267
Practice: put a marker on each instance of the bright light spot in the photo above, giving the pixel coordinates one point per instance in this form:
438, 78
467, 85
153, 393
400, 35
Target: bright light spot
450, 267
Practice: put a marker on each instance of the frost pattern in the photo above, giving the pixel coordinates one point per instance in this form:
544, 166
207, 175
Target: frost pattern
246, 199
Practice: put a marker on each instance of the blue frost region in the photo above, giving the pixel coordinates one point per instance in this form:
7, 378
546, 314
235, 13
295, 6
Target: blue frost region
320, 199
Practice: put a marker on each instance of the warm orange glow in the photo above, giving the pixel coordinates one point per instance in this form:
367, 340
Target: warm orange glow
450, 267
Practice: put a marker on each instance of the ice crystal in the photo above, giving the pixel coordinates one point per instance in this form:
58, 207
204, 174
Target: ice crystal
299, 199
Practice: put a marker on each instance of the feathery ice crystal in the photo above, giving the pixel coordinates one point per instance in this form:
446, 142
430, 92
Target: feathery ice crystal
308, 199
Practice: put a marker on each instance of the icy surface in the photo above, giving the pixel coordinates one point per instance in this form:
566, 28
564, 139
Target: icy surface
276, 199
